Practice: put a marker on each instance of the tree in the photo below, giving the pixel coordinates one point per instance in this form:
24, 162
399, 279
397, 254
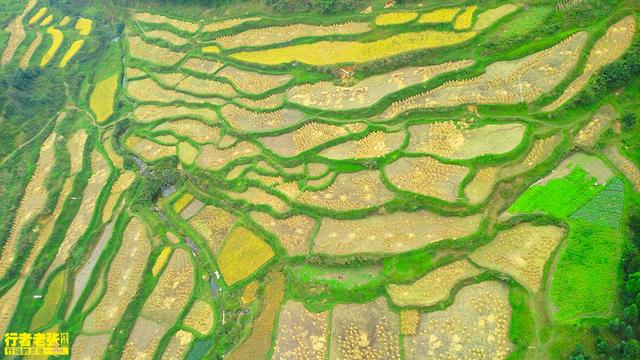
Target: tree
631, 313
628, 120
602, 346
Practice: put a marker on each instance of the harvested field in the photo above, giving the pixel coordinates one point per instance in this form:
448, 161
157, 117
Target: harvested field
280, 34
160, 19
455, 141
122, 183
247, 120
304, 138
439, 16
200, 317
539, 152
83, 26
26, 58
89, 347
521, 252
258, 344
257, 197
504, 82
212, 158
147, 90
57, 37
294, 232
102, 98
190, 210
131, 260
350, 191
626, 166
476, 326
301, 334
167, 36
83, 274
365, 331
148, 150
205, 87
391, 233
395, 18
153, 113
268, 103
178, 346
482, 184
152, 53
187, 153
31, 204
487, 18
253, 82
100, 172
588, 136
591, 164
73, 50
166, 139
352, 51
242, 253
409, 321
75, 147
172, 291
250, 292
434, 287
606, 50
316, 170
214, 225
8, 304
201, 66
132, 72
427, 176
463, 21
143, 340
17, 33
192, 129
328, 96
227, 24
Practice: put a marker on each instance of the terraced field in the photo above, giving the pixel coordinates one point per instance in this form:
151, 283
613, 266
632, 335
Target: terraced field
395, 181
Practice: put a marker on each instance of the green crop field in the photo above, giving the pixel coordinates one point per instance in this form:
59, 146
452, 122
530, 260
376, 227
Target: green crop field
302, 179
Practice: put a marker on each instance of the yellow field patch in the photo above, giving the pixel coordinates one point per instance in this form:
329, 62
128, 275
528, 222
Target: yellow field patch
250, 292
65, 21
182, 202
242, 253
211, 49
161, 261
46, 21
439, 16
73, 50
463, 21
38, 15
336, 52
395, 18
83, 26
102, 98
57, 37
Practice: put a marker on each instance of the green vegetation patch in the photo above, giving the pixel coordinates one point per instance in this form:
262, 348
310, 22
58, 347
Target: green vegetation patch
605, 208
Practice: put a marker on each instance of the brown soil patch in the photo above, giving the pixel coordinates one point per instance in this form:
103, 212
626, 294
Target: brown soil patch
391, 233
226, 24
148, 90
258, 344
305, 138
591, 164
8, 304
159, 19
427, 176
17, 34
75, 147
178, 346
328, 96
192, 129
490, 16
606, 50
626, 166
214, 225
247, 120
455, 141
148, 150
279, 34
190, 210
152, 113
258, 197
124, 181
206, 87
476, 326
365, 331
212, 158
349, 191
152, 53
200, 317
504, 82
201, 66
301, 333
482, 184
539, 152
172, 291
374, 145
26, 58
167, 36
294, 232
409, 321
434, 287
130, 260
269, 103
143, 340
131, 73
253, 82
588, 136
521, 252
89, 347
250, 292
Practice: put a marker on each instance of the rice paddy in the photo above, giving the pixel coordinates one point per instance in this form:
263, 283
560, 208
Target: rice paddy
102, 98
242, 253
